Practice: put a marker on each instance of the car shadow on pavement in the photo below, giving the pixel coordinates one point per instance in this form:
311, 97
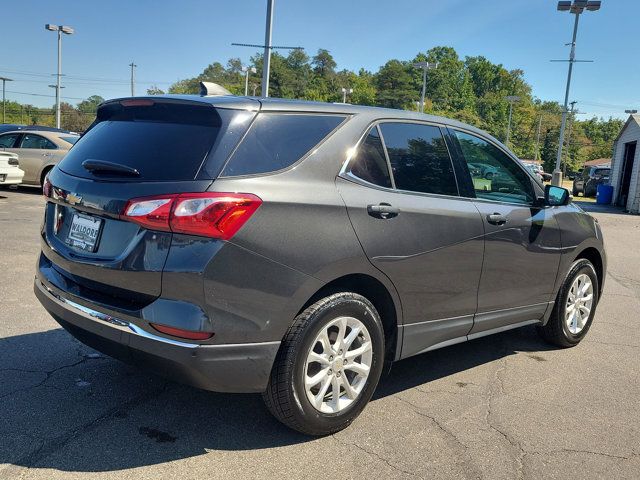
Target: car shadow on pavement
68, 408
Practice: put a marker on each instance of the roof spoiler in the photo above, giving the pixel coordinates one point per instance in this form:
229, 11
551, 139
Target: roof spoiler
210, 89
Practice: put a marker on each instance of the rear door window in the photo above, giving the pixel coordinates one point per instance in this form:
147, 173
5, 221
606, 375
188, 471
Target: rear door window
419, 158
8, 140
163, 141
278, 140
36, 141
370, 162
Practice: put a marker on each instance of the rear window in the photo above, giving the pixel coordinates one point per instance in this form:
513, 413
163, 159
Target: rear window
163, 141
278, 140
601, 171
71, 140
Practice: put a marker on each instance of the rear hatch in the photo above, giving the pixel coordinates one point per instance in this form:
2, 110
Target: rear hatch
136, 148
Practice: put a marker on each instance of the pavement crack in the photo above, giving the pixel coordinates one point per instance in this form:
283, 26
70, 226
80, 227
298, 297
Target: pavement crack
468, 460
374, 454
498, 384
55, 444
613, 344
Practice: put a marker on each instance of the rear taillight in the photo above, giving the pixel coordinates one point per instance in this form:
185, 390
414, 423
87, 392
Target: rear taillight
209, 214
46, 186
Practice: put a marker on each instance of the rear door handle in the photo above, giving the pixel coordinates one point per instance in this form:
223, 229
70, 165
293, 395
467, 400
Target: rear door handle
383, 210
496, 219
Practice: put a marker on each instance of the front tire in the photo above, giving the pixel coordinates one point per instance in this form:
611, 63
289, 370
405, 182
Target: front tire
328, 365
575, 306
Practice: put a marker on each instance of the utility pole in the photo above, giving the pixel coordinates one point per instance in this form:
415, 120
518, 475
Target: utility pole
246, 71
424, 66
266, 57
346, 91
535, 159
133, 79
577, 7
569, 131
511, 99
4, 100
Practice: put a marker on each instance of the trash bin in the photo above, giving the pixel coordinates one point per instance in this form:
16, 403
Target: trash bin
604, 194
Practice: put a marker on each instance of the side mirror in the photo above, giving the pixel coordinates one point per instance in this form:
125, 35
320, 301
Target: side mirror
556, 196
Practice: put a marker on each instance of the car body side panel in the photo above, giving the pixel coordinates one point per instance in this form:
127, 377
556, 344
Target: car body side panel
520, 258
579, 231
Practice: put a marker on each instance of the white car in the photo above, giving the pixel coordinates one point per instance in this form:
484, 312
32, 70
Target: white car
10, 172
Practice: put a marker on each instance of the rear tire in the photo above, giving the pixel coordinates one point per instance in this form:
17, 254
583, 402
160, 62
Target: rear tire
311, 408
44, 174
574, 191
564, 328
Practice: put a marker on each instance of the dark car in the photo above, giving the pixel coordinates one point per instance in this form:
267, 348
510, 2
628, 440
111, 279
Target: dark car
587, 182
296, 248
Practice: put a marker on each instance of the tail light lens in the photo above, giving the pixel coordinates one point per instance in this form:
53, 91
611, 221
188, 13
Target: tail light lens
46, 186
209, 214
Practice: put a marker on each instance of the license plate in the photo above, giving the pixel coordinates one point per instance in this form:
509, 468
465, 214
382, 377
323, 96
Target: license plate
84, 232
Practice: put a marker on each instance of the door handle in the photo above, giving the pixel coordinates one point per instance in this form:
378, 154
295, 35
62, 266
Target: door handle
496, 219
383, 211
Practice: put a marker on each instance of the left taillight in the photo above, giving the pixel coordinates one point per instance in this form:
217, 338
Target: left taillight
46, 186
209, 214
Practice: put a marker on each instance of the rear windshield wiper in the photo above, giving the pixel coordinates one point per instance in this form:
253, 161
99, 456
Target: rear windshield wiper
97, 166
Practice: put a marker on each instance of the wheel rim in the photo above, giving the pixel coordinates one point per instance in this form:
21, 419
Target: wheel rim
338, 364
579, 303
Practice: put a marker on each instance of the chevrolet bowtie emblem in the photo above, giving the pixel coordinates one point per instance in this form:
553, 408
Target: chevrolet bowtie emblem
73, 199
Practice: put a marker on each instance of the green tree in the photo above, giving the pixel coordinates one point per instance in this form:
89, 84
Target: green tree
154, 90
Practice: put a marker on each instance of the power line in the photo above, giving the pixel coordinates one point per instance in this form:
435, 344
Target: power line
43, 95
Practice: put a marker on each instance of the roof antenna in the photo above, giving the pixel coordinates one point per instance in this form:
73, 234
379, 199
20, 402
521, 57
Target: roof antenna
208, 89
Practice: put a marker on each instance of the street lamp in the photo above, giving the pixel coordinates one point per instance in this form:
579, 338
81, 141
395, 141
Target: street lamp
246, 71
424, 66
4, 102
67, 31
511, 99
575, 7
631, 112
346, 91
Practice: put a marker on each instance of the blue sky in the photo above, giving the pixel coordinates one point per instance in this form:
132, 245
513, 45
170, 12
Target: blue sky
174, 40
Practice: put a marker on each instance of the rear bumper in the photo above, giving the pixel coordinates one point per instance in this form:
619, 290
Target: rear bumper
244, 367
11, 176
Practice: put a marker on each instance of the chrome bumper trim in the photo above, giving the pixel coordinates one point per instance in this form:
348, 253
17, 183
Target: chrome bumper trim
118, 323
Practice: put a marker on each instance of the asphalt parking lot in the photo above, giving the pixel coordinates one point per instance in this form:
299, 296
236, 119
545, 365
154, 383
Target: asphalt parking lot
506, 406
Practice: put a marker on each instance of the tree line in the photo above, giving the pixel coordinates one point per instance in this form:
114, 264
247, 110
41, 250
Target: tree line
470, 89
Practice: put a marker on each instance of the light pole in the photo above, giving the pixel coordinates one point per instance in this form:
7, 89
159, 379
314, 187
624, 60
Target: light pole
266, 58
535, 158
133, 78
424, 66
67, 31
346, 91
511, 99
246, 71
575, 7
630, 112
4, 101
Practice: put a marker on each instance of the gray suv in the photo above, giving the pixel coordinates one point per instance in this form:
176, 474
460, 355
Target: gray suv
296, 248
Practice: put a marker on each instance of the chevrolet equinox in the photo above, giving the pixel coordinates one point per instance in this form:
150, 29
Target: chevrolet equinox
296, 248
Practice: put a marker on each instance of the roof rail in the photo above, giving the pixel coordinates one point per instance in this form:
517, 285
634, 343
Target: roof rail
210, 89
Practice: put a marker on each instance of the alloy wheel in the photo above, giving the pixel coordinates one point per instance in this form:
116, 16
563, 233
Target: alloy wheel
579, 303
338, 364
